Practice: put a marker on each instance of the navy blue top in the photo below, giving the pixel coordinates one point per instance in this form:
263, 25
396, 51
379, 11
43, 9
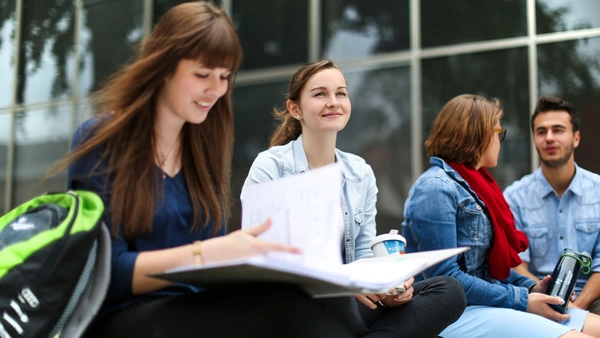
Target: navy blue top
173, 218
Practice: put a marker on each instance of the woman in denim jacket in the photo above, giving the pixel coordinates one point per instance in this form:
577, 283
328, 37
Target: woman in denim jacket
317, 107
457, 203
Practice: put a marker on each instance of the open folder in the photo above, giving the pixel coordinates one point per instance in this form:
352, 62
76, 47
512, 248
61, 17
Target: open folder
369, 275
306, 212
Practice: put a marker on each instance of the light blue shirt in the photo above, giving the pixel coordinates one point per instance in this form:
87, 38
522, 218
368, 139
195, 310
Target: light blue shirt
359, 190
553, 223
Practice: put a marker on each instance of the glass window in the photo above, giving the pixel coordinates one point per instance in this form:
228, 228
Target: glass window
46, 51
4, 143
501, 74
111, 32
355, 28
162, 6
576, 78
272, 33
452, 22
7, 33
253, 110
379, 131
564, 15
42, 136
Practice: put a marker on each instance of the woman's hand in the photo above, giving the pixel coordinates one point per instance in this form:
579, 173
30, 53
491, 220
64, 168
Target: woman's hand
371, 299
237, 244
538, 303
542, 285
394, 299
241, 243
397, 299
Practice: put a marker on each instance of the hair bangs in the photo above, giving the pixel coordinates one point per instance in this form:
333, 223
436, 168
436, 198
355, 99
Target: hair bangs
219, 47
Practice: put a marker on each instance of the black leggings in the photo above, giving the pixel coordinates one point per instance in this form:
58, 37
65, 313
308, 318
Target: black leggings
249, 310
281, 310
437, 302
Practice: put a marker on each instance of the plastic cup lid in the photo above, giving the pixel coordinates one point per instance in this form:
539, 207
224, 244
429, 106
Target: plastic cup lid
392, 236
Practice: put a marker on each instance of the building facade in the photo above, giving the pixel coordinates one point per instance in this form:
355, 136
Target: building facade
403, 59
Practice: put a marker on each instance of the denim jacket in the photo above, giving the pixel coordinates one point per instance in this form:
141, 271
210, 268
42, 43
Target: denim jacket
442, 212
359, 190
553, 223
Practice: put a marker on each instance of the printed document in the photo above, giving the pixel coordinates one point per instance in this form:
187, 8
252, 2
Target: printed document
306, 210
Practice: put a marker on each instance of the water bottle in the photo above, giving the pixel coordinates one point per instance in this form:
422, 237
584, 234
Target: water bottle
565, 274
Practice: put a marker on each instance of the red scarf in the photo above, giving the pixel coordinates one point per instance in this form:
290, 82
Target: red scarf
508, 241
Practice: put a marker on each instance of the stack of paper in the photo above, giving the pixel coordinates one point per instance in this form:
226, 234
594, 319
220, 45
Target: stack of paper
370, 275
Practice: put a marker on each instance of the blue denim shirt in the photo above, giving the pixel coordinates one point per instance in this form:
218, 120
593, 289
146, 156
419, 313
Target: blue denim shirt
359, 190
442, 212
553, 223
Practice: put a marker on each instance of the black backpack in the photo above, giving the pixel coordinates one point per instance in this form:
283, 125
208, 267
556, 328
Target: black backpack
54, 265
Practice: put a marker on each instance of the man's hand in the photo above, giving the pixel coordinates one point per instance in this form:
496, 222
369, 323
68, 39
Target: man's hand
590, 292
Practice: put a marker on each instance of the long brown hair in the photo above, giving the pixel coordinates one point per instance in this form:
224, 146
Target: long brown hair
287, 127
198, 31
463, 129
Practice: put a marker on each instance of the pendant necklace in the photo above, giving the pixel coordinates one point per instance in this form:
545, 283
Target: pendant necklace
164, 160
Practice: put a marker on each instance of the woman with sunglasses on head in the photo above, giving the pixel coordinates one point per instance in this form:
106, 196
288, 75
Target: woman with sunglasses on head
316, 109
159, 154
457, 203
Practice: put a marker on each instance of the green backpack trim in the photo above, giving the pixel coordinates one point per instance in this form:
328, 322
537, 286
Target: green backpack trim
87, 215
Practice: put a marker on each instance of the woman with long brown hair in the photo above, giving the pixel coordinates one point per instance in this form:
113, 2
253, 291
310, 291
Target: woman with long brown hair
159, 155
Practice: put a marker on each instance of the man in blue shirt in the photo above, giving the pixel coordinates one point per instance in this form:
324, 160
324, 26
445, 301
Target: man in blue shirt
558, 205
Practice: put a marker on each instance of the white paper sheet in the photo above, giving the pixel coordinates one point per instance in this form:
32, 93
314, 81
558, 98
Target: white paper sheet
306, 213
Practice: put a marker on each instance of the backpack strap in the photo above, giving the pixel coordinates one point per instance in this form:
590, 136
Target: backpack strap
93, 295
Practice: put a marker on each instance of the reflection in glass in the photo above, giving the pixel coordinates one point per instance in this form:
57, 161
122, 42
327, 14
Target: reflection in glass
253, 111
7, 32
355, 28
46, 50
4, 140
253, 116
272, 33
160, 7
379, 131
576, 78
501, 74
111, 31
452, 22
41, 137
563, 15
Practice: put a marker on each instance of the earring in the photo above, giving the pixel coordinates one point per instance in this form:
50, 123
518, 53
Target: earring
298, 117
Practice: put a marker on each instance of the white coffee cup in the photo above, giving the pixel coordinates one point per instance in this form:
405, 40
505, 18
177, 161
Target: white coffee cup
388, 244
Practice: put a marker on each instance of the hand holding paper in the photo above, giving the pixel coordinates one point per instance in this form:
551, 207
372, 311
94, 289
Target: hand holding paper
243, 243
